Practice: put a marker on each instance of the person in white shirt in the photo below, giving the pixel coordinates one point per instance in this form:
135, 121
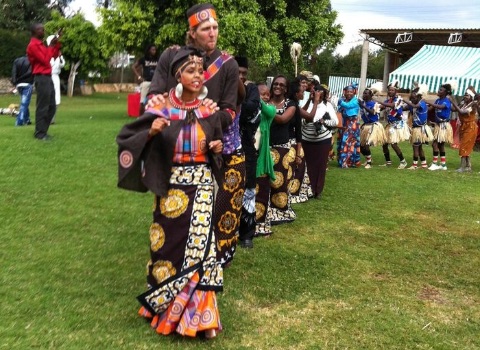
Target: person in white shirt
57, 64
317, 140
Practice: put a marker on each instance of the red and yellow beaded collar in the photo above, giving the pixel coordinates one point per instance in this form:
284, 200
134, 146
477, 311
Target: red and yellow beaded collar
179, 104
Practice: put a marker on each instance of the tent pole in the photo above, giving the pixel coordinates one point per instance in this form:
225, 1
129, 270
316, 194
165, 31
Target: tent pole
363, 70
386, 70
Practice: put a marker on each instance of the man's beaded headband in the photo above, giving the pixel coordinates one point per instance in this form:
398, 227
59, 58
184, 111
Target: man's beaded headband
201, 16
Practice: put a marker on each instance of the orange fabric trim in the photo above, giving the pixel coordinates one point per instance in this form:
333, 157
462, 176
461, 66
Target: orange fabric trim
201, 16
189, 316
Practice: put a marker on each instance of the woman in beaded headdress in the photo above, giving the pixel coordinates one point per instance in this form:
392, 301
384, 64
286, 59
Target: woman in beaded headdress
467, 112
173, 150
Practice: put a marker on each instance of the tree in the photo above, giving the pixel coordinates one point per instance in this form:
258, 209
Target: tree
13, 44
60, 5
125, 27
262, 30
350, 64
20, 14
310, 23
81, 46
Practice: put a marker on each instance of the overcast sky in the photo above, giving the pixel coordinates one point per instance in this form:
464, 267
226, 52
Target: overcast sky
354, 15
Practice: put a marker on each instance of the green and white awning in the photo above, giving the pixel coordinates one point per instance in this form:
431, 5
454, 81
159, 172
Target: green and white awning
435, 65
336, 84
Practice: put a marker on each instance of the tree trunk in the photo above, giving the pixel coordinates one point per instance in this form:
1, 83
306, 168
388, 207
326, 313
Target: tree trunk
71, 78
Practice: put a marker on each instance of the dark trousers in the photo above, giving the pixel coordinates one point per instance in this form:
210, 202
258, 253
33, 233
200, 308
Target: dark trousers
247, 220
316, 157
248, 133
46, 107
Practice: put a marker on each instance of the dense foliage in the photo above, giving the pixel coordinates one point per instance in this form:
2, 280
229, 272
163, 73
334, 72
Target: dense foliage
12, 45
260, 30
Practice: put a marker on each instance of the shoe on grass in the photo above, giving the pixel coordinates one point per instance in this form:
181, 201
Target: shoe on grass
434, 166
403, 164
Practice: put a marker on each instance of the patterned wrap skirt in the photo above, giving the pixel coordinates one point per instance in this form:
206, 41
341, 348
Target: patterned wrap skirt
263, 225
372, 134
421, 135
299, 186
283, 162
443, 133
348, 144
228, 206
183, 273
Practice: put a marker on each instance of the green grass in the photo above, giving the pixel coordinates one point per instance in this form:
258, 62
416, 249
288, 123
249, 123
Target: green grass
388, 259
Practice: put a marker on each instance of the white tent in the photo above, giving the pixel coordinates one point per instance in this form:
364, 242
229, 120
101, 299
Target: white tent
435, 65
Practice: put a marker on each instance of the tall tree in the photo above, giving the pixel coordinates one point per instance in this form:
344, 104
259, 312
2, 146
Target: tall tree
262, 30
60, 5
81, 46
20, 14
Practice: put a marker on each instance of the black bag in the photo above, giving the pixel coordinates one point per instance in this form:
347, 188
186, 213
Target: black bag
318, 125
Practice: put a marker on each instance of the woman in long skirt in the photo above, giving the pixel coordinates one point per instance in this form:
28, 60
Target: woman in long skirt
173, 150
349, 135
467, 112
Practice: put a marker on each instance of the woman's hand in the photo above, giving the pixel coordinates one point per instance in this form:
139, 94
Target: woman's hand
317, 96
156, 100
210, 104
216, 146
158, 125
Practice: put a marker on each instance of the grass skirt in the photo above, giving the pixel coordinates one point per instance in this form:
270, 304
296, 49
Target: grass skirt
443, 133
372, 134
421, 135
396, 133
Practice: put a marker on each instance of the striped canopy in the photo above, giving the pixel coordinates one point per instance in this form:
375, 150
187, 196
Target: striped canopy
336, 84
435, 65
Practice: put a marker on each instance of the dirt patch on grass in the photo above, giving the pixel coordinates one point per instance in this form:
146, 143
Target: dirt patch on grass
431, 294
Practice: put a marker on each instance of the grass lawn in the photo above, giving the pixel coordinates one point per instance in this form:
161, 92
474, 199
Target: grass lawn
387, 259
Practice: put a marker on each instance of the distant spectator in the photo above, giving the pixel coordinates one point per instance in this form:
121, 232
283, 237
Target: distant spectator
57, 64
39, 56
22, 78
144, 69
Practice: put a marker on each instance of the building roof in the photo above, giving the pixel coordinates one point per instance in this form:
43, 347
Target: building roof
386, 38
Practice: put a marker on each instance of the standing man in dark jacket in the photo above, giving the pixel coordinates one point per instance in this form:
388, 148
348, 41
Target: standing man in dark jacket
22, 78
249, 121
39, 56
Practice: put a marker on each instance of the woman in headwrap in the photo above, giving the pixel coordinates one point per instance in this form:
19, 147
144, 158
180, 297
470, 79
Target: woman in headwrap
348, 143
442, 132
173, 150
467, 112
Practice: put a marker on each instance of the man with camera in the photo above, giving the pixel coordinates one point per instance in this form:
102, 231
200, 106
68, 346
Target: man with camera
39, 56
